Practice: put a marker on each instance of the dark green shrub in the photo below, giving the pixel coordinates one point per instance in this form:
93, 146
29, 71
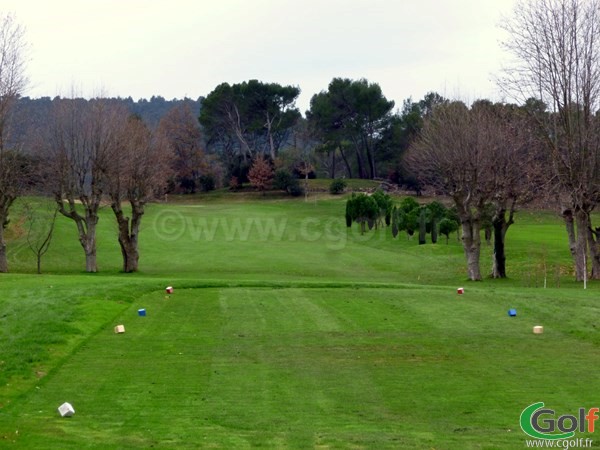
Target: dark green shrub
408, 204
411, 221
285, 181
385, 204
452, 214
282, 179
337, 187
362, 209
447, 226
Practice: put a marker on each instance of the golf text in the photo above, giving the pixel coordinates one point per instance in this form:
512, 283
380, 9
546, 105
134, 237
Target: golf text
542, 423
560, 443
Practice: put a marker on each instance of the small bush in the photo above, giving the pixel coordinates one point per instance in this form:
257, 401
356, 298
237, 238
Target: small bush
448, 226
337, 187
283, 179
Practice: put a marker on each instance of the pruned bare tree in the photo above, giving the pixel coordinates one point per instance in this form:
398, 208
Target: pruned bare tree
83, 137
482, 156
556, 49
138, 172
515, 174
13, 81
453, 154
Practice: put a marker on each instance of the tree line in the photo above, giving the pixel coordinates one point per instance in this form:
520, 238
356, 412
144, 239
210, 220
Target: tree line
84, 153
351, 129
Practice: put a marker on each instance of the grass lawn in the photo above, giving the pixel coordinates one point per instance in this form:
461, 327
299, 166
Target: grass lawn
286, 330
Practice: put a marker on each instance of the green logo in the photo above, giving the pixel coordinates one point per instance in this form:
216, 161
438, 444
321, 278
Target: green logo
539, 422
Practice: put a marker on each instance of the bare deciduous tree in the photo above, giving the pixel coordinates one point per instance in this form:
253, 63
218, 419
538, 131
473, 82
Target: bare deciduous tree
556, 45
514, 171
40, 219
12, 82
480, 156
138, 171
182, 131
83, 138
452, 154
468, 154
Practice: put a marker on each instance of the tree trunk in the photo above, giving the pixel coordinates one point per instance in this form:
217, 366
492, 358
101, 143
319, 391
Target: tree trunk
86, 226
500, 226
570, 227
88, 242
577, 239
360, 158
3, 257
371, 160
499, 257
6, 202
306, 183
128, 237
373, 167
361, 167
472, 246
269, 126
130, 255
488, 232
348, 168
594, 244
581, 221
332, 173
434, 231
235, 121
91, 265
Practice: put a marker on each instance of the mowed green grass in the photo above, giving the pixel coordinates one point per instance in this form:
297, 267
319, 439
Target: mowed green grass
304, 336
278, 239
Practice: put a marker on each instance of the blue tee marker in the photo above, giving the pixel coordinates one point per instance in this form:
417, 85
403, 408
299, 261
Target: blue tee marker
512, 312
141, 312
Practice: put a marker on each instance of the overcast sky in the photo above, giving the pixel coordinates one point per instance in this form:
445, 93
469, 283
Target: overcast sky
177, 48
